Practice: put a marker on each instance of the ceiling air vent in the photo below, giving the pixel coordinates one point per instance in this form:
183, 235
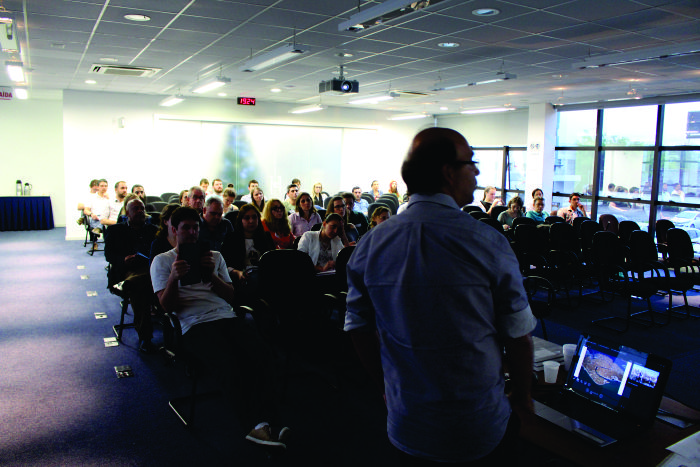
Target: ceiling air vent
405, 94
124, 70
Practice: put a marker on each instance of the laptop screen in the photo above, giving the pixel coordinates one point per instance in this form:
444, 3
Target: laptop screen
622, 378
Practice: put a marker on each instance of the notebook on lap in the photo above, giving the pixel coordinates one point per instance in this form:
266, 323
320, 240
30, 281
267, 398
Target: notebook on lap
611, 392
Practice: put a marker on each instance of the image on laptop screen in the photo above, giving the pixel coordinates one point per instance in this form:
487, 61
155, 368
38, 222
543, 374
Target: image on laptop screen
621, 378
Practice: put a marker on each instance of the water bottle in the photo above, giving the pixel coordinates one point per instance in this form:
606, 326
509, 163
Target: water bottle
18, 191
27, 189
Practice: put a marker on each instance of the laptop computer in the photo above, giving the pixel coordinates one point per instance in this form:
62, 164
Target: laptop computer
611, 392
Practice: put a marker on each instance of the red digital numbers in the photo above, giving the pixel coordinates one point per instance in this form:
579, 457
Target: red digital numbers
246, 101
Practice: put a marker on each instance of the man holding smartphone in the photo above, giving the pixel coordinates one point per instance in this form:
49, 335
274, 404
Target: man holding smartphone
212, 332
574, 210
127, 249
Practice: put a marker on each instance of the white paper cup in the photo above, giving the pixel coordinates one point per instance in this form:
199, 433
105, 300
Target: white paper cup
568, 350
551, 371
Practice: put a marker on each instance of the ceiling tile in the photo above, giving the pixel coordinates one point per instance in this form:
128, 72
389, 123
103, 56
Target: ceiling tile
584, 11
537, 22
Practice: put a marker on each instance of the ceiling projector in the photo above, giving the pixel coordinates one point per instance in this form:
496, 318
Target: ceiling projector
339, 86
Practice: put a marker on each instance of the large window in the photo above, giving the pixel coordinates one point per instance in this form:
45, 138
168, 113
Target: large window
614, 159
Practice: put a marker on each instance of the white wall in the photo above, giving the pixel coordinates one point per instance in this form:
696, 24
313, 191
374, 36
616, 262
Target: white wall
490, 130
32, 150
115, 136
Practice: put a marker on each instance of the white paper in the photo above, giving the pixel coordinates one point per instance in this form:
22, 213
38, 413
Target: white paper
689, 448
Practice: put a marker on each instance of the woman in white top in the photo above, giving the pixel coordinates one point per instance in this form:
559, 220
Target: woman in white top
324, 245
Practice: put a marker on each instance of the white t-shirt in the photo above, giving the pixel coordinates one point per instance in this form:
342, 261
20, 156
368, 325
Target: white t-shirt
198, 302
98, 205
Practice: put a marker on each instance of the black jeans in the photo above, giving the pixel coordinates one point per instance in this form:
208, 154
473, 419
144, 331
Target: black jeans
242, 363
506, 453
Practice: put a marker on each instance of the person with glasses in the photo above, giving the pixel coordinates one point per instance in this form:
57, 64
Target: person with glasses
140, 191
574, 210
305, 216
434, 298
348, 234
275, 221
290, 201
195, 198
537, 214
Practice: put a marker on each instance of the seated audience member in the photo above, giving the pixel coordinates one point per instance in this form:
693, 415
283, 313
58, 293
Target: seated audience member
574, 210
379, 215
376, 192
621, 192
111, 214
94, 187
538, 214
97, 207
229, 197
258, 199
297, 182
318, 197
217, 186
348, 234
195, 198
253, 184
183, 197
139, 191
126, 249
323, 245
404, 205
214, 227
276, 222
489, 200
394, 190
165, 237
290, 200
305, 215
360, 205
204, 185
231, 349
537, 193
243, 248
515, 210
352, 217
122, 212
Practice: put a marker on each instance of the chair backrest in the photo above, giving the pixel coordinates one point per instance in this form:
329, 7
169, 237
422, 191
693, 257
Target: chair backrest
608, 249
150, 199
239, 203
609, 223
523, 220
553, 219
158, 205
341, 262
231, 216
642, 248
155, 217
588, 229
497, 210
625, 228
577, 223
562, 237
492, 222
390, 200
287, 279
471, 208
166, 196
373, 206
367, 197
174, 199
481, 215
680, 246
316, 227
322, 213
662, 226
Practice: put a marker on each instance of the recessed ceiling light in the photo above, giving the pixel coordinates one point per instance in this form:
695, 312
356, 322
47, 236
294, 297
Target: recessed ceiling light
267, 79
90, 81
345, 54
109, 59
135, 17
275, 90
449, 45
443, 108
486, 12
222, 94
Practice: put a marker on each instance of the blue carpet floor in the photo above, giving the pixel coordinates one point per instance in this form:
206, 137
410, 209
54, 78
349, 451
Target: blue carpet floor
61, 403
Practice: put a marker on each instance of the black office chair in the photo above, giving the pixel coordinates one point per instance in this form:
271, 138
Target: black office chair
168, 195
522, 220
493, 223
239, 204
390, 200
151, 199
154, 218
478, 215
553, 219
497, 210
609, 223
369, 197
91, 238
577, 223
470, 209
625, 229
158, 205
231, 216
375, 205
662, 226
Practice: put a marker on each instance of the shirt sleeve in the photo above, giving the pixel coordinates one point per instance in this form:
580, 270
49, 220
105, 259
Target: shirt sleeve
221, 269
160, 271
360, 311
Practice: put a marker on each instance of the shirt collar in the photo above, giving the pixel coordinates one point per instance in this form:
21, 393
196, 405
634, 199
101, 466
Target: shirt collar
436, 198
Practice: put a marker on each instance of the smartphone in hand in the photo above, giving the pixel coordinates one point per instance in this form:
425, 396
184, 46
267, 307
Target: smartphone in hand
190, 252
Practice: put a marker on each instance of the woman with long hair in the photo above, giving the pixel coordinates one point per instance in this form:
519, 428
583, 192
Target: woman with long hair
394, 189
379, 215
165, 238
489, 200
243, 247
275, 221
305, 215
318, 197
515, 210
257, 198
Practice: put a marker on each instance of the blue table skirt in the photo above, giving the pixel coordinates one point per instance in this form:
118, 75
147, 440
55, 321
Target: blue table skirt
25, 213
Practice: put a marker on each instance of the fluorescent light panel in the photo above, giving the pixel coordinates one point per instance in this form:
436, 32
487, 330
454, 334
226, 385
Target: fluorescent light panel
487, 111
384, 12
15, 71
408, 117
21, 93
374, 99
172, 100
208, 85
271, 58
307, 108
500, 76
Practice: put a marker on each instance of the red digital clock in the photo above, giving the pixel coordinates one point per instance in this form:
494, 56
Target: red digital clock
246, 101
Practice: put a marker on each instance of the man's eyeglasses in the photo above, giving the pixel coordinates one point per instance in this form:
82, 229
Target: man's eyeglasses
472, 163
138, 192
277, 208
